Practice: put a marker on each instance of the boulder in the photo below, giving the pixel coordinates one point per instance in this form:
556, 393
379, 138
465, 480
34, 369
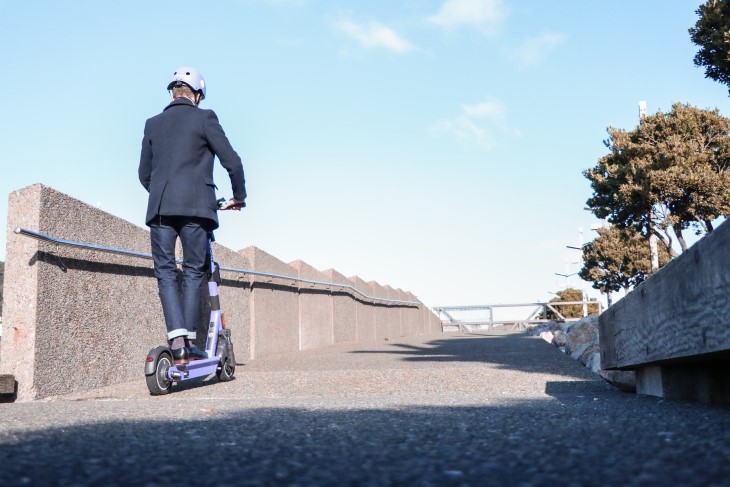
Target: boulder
559, 338
624, 380
581, 335
580, 340
591, 358
547, 336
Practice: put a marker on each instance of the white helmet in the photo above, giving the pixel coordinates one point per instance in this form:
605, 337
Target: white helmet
188, 76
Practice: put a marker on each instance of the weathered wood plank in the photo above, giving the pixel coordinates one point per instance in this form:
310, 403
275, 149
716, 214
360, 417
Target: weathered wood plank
682, 311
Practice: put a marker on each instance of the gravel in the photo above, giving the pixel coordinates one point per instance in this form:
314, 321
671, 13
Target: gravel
497, 408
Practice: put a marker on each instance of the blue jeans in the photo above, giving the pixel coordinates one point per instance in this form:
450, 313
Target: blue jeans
181, 307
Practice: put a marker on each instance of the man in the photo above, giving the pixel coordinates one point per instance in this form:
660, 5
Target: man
176, 168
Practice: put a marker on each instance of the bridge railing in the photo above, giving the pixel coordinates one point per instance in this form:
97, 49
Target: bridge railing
466, 318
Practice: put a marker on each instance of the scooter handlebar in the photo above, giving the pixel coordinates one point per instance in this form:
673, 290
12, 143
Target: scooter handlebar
231, 204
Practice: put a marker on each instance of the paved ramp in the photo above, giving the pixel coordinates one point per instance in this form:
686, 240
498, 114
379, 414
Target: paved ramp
462, 409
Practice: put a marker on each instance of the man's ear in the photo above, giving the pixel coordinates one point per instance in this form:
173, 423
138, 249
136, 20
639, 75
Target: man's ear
198, 97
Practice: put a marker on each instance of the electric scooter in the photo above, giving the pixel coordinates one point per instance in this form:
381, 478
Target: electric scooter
159, 369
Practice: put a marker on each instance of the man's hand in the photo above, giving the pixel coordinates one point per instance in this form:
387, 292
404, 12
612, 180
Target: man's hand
233, 204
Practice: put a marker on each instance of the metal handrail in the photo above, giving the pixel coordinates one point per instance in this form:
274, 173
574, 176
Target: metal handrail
142, 255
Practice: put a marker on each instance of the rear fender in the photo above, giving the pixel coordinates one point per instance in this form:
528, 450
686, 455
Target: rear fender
152, 357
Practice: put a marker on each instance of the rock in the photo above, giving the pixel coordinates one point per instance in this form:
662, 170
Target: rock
591, 358
576, 353
547, 336
593, 362
581, 335
559, 338
580, 340
538, 330
624, 380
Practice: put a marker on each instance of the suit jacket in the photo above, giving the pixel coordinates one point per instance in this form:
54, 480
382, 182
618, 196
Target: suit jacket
176, 164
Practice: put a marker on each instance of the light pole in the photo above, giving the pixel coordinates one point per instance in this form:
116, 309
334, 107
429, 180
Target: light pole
566, 276
583, 293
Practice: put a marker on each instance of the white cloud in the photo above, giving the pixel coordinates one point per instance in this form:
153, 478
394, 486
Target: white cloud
375, 35
535, 49
493, 110
465, 130
486, 15
481, 123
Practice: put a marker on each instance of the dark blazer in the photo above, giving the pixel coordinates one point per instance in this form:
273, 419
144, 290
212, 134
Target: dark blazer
176, 164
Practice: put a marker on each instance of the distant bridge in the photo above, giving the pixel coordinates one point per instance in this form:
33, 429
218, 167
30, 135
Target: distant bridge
482, 316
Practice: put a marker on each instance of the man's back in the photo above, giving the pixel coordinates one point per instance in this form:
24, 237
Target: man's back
176, 165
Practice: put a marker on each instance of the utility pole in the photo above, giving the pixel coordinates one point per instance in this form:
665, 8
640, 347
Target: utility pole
584, 294
583, 283
653, 251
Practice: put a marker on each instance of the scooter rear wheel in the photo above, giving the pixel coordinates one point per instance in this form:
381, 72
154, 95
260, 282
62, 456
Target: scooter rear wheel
226, 370
158, 383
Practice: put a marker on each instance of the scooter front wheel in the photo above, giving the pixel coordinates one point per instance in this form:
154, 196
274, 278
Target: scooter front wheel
158, 383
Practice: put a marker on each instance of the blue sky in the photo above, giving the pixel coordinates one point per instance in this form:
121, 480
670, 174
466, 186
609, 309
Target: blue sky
433, 145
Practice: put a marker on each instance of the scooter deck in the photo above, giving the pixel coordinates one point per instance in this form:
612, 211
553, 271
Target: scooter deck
193, 369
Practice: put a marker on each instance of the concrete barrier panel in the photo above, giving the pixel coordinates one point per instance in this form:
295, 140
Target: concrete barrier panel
422, 319
364, 311
432, 322
96, 313
394, 314
409, 317
315, 308
20, 289
382, 330
344, 309
75, 319
274, 306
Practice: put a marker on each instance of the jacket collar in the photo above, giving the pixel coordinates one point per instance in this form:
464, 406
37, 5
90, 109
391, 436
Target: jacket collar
180, 101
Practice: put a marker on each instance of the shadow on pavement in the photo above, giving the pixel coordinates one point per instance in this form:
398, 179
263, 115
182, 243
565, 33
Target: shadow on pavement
514, 351
539, 442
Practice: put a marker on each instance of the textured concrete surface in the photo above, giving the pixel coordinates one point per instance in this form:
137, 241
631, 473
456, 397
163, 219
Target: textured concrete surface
96, 313
382, 330
99, 313
20, 289
394, 314
365, 328
344, 313
315, 308
409, 321
73, 313
454, 410
274, 305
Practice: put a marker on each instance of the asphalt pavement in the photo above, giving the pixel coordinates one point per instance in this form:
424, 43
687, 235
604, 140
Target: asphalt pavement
498, 408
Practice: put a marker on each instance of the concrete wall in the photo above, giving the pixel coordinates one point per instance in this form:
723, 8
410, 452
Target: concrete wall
382, 330
344, 308
315, 309
365, 313
394, 324
76, 319
674, 322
